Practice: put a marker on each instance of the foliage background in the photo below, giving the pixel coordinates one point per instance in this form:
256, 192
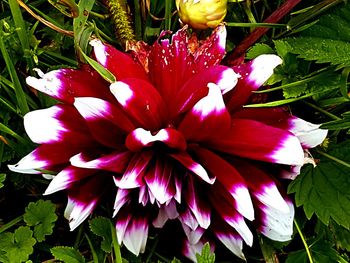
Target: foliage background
314, 42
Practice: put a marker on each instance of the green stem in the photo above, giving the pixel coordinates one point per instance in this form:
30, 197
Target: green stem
236, 24
331, 157
11, 224
93, 252
78, 238
308, 252
168, 4
116, 247
138, 22
322, 110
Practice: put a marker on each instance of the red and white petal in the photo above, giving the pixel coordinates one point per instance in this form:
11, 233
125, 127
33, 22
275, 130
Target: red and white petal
66, 84
95, 110
166, 212
193, 236
160, 181
229, 237
133, 176
56, 124
309, 134
207, 114
255, 140
253, 75
135, 236
274, 224
197, 87
230, 178
118, 63
65, 179
186, 160
188, 218
198, 207
141, 102
45, 157
170, 64
113, 162
262, 186
140, 138
190, 250
83, 198
122, 197
212, 50
222, 202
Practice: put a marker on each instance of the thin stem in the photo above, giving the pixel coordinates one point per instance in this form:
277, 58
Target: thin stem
11, 224
322, 110
116, 247
234, 24
308, 252
78, 238
333, 158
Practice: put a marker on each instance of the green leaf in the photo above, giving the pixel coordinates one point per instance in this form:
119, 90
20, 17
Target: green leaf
324, 190
42, 216
67, 254
206, 255
321, 251
101, 227
340, 235
344, 123
326, 41
2, 179
259, 49
18, 245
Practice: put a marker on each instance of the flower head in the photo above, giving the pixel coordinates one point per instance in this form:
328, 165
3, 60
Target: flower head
202, 14
172, 140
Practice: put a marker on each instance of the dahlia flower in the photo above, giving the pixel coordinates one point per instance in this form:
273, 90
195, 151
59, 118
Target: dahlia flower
171, 140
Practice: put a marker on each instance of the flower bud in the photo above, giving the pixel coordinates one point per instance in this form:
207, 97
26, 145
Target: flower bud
201, 14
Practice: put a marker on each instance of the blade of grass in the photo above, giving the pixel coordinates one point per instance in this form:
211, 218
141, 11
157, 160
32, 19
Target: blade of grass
20, 94
21, 31
168, 6
7, 130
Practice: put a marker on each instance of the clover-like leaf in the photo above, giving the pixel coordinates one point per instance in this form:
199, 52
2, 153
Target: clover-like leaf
42, 216
101, 227
67, 254
18, 246
324, 190
206, 255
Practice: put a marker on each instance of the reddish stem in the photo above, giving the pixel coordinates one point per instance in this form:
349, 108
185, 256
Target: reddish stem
254, 36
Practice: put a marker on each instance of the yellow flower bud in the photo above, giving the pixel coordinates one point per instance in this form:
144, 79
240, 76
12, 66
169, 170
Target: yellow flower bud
201, 14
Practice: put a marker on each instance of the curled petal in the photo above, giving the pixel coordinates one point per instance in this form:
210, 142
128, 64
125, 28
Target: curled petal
167, 211
253, 75
255, 140
141, 102
191, 250
66, 84
120, 64
123, 197
114, 162
207, 114
140, 138
66, 178
83, 198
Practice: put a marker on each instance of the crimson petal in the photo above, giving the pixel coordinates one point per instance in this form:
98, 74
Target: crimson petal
141, 101
253, 75
66, 84
255, 140
207, 114
120, 64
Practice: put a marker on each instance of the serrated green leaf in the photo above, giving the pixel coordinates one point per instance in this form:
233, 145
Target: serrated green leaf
67, 254
321, 251
2, 179
42, 216
259, 49
18, 246
101, 227
206, 255
344, 123
324, 190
